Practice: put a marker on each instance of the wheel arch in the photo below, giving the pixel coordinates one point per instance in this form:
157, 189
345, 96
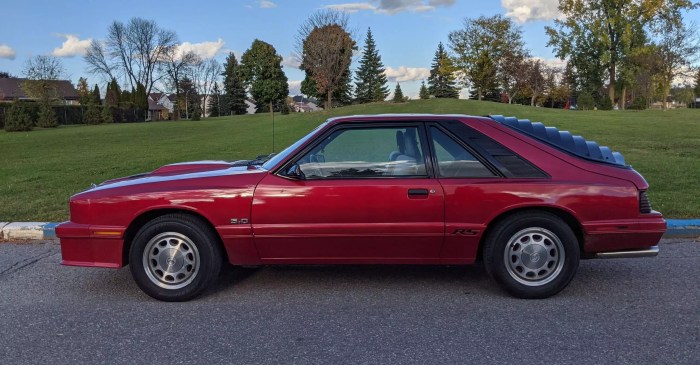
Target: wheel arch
147, 216
564, 215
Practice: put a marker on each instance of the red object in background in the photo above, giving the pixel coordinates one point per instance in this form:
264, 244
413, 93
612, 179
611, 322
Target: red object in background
309, 206
568, 105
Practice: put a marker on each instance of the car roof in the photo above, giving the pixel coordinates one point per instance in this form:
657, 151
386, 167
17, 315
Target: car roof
399, 117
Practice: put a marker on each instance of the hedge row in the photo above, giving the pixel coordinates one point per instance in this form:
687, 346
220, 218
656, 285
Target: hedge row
75, 114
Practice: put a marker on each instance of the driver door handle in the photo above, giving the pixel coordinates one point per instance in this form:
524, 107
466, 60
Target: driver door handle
418, 193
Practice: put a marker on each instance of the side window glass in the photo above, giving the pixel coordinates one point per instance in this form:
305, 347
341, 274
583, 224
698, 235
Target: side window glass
455, 160
366, 152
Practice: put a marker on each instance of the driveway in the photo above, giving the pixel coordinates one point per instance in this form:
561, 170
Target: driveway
624, 311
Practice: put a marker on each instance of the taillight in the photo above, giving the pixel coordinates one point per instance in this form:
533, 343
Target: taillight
644, 204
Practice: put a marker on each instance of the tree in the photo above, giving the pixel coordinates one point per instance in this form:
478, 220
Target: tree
536, 83
175, 67
5, 75
488, 51
679, 49
398, 94
441, 82
93, 115
136, 49
83, 91
204, 74
585, 101
423, 93
370, 80
189, 99
96, 95
43, 68
234, 89
18, 118
610, 28
41, 73
261, 71
215, 106
325, 46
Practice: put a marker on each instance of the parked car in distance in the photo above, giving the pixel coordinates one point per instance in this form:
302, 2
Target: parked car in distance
528, 200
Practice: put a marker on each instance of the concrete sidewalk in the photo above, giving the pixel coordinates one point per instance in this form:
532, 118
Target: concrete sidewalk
676, 228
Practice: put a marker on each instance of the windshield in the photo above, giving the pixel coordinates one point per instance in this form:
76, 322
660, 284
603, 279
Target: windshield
269, 164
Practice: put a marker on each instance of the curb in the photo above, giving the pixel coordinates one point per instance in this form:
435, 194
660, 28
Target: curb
675, 228
27, 231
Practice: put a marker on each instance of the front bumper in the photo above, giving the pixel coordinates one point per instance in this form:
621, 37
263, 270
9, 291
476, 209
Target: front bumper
91, 246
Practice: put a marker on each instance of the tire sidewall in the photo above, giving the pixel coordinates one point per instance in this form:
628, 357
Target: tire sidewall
209, 258
502, 234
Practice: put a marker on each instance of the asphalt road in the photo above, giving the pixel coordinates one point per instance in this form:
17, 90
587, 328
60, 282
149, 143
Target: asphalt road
624, 311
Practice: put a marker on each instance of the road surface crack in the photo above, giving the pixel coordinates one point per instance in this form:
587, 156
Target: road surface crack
26, 262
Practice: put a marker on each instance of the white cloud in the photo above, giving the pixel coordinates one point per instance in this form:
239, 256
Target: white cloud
403, 73
552, 62
291, 61
294, 87
7, 52
73, 46
523, 11
265, 4
205, 50
392, 7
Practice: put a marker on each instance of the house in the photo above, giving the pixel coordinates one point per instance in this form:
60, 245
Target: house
250, 106
160, 106
11, 90
157, 111
305, 105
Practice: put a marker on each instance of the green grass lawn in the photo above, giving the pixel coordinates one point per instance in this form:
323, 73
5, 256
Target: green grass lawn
40, 170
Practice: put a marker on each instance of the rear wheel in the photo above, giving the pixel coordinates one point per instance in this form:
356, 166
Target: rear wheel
532, 254
175, 257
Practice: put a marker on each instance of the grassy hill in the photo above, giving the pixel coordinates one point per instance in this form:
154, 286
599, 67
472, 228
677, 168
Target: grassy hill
40, 170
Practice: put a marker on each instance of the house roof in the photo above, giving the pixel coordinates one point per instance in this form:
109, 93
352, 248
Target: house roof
155, 96
11, 88
153, 105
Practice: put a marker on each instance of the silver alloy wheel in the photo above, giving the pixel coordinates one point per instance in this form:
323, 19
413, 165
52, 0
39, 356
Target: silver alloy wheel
171, 260
534, 256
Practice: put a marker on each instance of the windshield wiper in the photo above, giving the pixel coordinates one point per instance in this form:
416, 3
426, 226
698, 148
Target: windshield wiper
259, 160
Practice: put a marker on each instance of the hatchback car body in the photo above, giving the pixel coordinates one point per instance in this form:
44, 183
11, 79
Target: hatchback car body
382, 189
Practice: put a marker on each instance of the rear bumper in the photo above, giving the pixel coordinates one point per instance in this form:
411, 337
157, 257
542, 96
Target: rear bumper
91, 246
624, 235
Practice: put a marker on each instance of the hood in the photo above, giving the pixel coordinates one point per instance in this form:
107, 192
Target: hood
181, 171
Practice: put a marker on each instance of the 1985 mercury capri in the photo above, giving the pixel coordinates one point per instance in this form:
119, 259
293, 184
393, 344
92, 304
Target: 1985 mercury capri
528, 200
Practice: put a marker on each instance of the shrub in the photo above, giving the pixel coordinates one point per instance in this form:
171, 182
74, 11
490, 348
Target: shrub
18, 118
585, 101
197, 114
606, 103
639, 103
107, 116
47, 116
93, 115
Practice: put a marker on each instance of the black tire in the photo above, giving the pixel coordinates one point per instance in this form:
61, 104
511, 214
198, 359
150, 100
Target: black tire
532, 255
184, 257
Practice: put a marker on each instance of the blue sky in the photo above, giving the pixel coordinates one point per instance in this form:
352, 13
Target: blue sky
406, 31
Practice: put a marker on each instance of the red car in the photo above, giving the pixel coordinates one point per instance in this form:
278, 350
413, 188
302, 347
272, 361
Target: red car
385, 189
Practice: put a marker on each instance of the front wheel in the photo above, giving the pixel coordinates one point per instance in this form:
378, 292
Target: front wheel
532, 254
175, 257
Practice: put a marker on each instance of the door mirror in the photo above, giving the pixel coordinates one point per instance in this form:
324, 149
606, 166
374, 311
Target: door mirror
295, 172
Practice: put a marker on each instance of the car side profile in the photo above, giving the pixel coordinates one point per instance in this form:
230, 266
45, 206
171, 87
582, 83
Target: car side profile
528, 200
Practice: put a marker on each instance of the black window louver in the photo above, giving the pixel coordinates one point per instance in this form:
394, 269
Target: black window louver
644, 203
563, 140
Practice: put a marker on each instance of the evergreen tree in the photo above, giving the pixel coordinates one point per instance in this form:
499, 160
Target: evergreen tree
107, 115
113, 94
261, 71
93, 115
141, 101
441, 82
96, 95
398, 94
47, 116
18, 118
370, 80
215, 106
423, 93
234, 90
83, 91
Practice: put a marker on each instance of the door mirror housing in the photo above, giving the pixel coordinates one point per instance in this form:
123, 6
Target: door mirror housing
295, 172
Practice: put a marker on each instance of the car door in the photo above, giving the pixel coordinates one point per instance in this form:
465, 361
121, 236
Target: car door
359, 194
